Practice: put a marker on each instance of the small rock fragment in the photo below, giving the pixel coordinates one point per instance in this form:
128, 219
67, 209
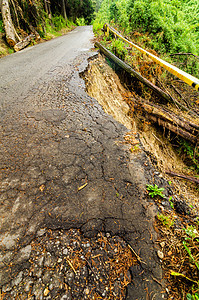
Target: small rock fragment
162, 244
46, 292
160, 254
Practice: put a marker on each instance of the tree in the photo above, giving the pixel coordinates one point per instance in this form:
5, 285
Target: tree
11, 34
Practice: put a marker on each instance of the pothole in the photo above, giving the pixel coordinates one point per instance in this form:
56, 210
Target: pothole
66, 265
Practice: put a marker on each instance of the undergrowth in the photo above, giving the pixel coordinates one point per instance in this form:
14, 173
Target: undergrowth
1, 25
181, 257
118, 48
189, 153
55, 25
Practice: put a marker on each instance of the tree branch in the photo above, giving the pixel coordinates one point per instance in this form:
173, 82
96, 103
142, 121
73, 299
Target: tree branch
197, 57
190, 178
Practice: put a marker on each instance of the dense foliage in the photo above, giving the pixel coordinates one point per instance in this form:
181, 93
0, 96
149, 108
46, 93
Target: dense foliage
173, 24
74, 9
42, 13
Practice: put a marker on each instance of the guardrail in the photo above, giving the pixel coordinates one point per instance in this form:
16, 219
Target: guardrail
189, 79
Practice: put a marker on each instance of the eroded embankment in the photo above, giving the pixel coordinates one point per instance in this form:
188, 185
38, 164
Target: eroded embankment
103, 84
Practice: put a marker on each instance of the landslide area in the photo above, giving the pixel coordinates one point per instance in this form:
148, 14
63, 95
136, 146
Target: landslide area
109, 85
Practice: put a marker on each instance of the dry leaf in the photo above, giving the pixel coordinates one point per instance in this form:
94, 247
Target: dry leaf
42, 187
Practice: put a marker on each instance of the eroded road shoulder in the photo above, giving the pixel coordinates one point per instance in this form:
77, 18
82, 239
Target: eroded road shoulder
64, 164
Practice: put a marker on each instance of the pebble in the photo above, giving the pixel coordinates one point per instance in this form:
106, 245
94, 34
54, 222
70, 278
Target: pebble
17, 279
160, 254
65, 251
46, 292
49, 274
162, 244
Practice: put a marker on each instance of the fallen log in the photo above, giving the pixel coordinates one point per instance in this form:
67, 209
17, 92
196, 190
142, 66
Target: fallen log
25, 42
167, 119
190, 178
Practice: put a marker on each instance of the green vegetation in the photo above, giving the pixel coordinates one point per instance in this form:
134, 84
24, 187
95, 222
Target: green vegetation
1, 25
171, 202
166, 220
183, 266
118, 48
155, 191
170, 26
193, 297
189, 153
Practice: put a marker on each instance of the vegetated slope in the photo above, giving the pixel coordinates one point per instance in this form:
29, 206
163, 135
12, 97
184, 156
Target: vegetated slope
172, 26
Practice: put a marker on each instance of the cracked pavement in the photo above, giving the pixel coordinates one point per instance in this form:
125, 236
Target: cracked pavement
64, 163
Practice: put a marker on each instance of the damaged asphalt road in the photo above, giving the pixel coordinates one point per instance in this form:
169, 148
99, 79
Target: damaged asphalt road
64, 164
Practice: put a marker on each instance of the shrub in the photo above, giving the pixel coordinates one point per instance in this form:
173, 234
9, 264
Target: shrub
118, 48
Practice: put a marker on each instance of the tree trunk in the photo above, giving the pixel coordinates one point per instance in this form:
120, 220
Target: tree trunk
46, 6
49, 11
28, 25
11, 35
64, 9
167, 119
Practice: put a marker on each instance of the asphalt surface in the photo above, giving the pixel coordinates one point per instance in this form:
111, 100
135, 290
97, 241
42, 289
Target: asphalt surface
64, 164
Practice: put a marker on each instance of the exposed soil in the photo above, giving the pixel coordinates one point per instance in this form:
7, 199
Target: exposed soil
115, 99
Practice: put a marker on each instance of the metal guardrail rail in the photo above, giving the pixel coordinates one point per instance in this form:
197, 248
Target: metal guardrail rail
189, 79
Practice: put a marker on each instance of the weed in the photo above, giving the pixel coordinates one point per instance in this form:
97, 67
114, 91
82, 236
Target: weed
190, 254
10, 51
135, 148
191, 232
155, 191
188, 246
166, 220
171, 202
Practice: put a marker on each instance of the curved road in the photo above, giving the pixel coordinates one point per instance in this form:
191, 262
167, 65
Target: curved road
64, 163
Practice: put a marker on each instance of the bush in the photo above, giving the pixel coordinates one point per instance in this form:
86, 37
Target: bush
118, 48
168, 24
58, 22
80, 21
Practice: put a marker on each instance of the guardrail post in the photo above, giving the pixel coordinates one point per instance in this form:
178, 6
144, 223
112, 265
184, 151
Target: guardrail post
106, 30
